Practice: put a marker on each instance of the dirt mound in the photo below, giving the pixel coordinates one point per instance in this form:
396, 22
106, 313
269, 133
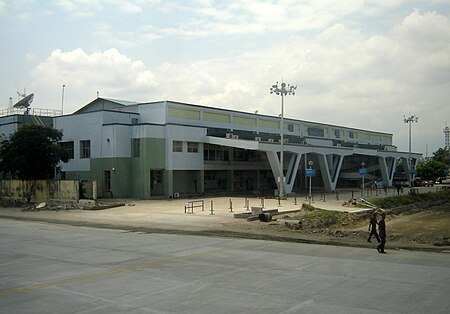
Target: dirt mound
423, 226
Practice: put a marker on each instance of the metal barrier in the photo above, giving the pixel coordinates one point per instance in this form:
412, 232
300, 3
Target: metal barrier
212, 208
189, 206
247, 204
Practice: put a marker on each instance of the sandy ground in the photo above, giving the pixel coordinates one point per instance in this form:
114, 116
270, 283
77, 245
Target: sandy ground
427, 229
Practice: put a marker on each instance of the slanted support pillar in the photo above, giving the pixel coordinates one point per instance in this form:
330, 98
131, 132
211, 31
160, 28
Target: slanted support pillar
387, 167
292, 172
330, 166
274, 166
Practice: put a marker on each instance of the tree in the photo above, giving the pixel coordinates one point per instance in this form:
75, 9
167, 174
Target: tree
431, 169
442, 155
32, 153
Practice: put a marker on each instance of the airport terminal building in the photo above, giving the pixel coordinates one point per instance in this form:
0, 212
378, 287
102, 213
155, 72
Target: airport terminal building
170, 149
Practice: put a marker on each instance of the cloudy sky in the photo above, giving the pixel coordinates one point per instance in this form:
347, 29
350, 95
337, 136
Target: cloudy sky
357, 63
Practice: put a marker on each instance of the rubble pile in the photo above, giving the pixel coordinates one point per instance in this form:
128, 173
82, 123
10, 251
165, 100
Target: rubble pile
65, 206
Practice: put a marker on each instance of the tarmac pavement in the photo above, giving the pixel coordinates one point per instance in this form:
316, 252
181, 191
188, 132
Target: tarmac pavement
49, 268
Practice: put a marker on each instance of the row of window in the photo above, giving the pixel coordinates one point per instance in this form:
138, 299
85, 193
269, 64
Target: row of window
177, 147
220, 153
211, 152
85, 148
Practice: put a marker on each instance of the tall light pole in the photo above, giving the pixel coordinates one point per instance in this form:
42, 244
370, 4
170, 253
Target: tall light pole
447, 137
283, 91
62, 99
410, 120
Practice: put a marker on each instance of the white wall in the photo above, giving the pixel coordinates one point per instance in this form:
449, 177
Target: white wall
116, 141
152, 113
184, 160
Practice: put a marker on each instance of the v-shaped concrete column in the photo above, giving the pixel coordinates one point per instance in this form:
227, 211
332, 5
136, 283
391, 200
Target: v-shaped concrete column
387, 167
274, 162
330, 166
291, 174
292, 171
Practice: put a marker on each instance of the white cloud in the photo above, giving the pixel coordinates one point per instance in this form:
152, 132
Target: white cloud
128, 7
121, 39
80, 8
88, 8
345, 77
30, 56
250, 17
109, 72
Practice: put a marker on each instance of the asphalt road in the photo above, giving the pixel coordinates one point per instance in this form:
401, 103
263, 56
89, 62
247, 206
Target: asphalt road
46, 268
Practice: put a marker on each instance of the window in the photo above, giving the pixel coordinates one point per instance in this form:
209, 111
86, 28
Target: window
107, 180
136, 147
177, 146
316, 132
351, 135
238, 155
192, 147
85, 149
215, 153
134, 121
337, 133
68, 147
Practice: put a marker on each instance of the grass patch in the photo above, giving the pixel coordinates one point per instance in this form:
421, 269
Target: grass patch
402, 200
308, 207
320, 218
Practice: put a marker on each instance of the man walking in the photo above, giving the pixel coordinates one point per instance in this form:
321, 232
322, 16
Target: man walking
373, 228
382, 233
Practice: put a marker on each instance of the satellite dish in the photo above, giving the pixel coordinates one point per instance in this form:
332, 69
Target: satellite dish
25, 102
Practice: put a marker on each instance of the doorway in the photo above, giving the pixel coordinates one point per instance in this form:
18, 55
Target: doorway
156, 182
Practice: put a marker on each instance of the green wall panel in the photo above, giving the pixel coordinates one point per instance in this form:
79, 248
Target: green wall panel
216, 117
120, 176
152, 158
244, 121
269, 124
184, 113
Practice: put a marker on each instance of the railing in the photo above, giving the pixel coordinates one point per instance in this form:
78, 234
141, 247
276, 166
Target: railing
31, 111
189, 206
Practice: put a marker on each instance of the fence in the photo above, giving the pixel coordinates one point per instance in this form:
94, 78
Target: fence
32, 111
37, 191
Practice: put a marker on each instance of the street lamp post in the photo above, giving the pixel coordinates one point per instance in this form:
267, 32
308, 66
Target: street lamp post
62, 99
410, 120
285, 89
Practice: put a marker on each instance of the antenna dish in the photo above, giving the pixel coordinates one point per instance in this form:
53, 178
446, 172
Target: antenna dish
25, 102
